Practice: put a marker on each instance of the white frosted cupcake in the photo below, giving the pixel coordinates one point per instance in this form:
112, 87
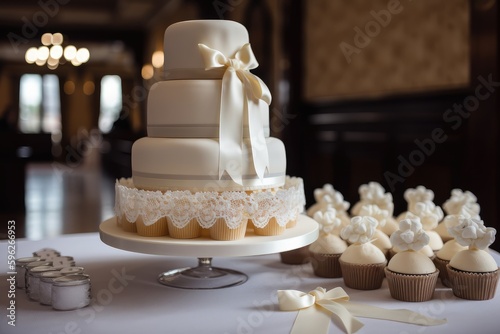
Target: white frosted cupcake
362, 262
443, 257
373, 193
473, 272
459, 204
329, 197
327, 249
379, 239
411, 275
430, 215
460, 200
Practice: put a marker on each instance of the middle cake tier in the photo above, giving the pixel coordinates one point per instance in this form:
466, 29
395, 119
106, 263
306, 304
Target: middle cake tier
193, 164
191, 109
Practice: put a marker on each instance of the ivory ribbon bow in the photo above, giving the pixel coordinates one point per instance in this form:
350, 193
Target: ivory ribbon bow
316, 307
241, 91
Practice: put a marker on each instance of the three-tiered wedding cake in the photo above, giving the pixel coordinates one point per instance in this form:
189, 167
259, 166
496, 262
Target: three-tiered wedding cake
208, 162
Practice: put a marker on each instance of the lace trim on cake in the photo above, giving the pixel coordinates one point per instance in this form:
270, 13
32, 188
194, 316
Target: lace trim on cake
180, 207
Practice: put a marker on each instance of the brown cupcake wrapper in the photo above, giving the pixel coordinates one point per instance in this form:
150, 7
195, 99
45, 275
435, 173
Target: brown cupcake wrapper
471, 285
272, 228
411, 288
443, 273
190, 231
157, 229
220, 230
363, 276
291, 224
326, 265
296, 256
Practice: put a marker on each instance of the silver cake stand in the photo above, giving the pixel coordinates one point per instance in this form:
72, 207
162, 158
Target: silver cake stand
205, 276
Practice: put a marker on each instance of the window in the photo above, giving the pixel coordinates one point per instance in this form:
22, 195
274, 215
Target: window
111, 101
39, 104
30, 101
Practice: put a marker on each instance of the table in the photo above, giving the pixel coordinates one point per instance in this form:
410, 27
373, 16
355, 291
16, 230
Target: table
128, 299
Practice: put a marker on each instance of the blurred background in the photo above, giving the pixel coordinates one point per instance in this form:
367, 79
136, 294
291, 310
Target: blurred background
403, 93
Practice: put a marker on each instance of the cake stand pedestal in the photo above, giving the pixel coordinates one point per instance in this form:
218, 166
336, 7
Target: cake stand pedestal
205, 276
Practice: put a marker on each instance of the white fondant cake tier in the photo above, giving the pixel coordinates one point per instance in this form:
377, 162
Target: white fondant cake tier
193, 164
182, 56
191, 109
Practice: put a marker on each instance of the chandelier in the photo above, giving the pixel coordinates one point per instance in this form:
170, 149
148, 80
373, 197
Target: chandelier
52, 52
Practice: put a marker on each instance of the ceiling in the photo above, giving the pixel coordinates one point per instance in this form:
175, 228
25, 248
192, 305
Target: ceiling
112, 14
108, 26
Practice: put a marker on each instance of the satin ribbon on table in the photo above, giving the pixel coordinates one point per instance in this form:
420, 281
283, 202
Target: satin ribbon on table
318, 306
241, 91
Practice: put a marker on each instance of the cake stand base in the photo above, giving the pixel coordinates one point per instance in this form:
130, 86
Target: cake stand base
203, 277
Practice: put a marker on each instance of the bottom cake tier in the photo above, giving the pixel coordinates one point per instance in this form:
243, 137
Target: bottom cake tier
226, 215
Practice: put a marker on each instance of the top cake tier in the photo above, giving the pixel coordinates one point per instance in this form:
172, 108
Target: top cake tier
183, 59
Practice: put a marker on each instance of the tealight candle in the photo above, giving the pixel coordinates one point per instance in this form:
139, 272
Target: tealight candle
45, 287
71, 292
30, 266
21, 270
33, 282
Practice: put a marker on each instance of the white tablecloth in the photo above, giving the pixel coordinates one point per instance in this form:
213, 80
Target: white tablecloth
128, 299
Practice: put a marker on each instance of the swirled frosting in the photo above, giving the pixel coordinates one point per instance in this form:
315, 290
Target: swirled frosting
328, 196
374, 211
360, 230
373, 193
328, 241
410, 235
471, 232
336, 197
430, 214
461, 199
418, 194
327, 220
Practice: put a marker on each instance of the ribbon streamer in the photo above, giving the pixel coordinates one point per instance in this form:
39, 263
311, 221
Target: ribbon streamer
318, 306
241, 91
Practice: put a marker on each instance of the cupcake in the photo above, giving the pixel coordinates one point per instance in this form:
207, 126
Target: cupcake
380, 239
459, 200
450, 248
189, 230
180, 218
155, 228
222, 231
327, 249
411, 275
443, 257
420, 204
271, 228
362, 263
328, 196
267, 225
426, 250
430, 215
374, 194
126, 225
460, 203
473, 273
